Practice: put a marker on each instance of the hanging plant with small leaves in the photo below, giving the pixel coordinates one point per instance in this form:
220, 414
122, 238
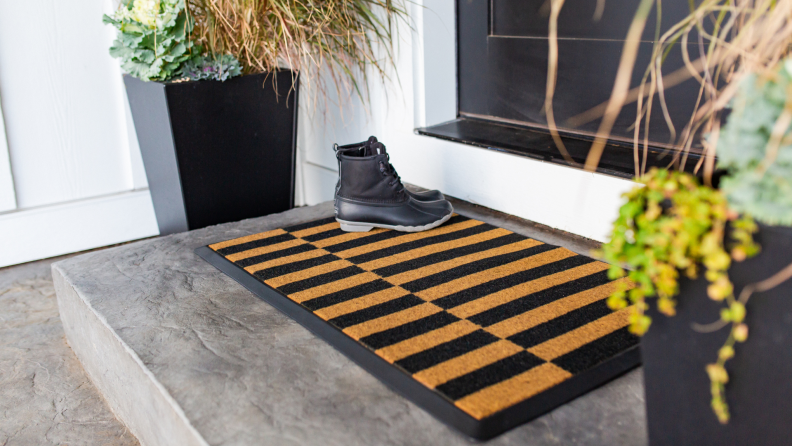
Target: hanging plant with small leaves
674, 225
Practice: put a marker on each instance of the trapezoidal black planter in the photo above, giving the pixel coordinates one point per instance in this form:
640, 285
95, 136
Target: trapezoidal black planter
759, 391
216, 152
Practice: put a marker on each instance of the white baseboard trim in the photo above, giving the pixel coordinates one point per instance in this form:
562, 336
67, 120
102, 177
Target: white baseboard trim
49, 231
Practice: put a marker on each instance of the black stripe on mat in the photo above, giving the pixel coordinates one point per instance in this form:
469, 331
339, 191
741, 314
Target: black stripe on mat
473, 267
493, 286
255, 244
310, 224
319, 280
597, 351
408, 330
489, 375
403, 247
280, 270
562, 324
305, 247
438, 257
449, 350
361, 290
324, 235
536, 300
375, 311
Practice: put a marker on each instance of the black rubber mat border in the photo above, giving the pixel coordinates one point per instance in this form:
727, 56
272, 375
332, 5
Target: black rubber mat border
405, 385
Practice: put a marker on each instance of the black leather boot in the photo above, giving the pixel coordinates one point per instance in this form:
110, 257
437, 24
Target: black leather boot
369, 147
369, 194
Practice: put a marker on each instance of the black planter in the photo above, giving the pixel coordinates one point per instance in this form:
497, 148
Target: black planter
215, 151
759, 392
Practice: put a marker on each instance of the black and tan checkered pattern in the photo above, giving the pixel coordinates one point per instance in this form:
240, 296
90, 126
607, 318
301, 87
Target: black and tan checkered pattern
486, 317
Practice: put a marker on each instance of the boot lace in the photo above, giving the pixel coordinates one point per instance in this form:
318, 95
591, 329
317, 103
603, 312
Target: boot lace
387, 169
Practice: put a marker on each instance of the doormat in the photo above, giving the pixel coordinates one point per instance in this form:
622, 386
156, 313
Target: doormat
483, 328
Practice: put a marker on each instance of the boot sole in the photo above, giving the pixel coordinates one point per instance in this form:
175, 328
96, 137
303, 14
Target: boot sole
353, 226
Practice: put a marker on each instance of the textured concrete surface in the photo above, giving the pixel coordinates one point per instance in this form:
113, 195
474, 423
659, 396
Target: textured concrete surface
45, 396
242, 373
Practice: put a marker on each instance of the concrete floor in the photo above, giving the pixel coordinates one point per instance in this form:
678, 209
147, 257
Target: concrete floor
47, 399
45, 396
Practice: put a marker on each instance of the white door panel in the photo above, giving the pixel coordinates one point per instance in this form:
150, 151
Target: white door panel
62, 101
7, 195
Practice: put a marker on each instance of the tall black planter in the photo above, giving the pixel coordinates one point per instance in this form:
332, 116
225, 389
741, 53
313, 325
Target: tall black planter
759, 391
216, 152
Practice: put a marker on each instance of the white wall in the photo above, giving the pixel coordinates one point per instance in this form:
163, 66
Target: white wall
569, 199
67, 134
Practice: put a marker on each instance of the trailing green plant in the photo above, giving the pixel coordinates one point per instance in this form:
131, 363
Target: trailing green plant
153, 38
218, 68
673, 224
739, 46
755, 147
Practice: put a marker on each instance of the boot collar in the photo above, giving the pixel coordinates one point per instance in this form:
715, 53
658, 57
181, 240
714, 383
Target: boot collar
368, 148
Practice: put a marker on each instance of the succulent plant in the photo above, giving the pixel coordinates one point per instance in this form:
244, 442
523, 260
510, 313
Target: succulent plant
755, 147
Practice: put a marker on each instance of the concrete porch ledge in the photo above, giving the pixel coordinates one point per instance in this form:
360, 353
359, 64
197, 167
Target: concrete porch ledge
184, 355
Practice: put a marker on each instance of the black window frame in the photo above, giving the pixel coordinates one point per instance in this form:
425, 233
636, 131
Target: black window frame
515, 137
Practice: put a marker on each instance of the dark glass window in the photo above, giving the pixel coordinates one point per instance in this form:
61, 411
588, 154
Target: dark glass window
502, 50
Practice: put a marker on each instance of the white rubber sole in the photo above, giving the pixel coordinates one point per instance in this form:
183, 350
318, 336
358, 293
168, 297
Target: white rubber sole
353, 226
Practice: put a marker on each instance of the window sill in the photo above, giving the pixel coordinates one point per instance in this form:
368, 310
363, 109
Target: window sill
617, 159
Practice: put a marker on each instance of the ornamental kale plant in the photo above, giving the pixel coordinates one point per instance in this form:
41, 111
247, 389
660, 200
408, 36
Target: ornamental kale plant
213, 68
153, 38
755, 147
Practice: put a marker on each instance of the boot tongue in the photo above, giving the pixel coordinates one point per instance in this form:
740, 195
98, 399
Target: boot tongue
375, 148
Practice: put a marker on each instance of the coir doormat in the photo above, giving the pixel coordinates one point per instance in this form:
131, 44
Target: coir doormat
483, 328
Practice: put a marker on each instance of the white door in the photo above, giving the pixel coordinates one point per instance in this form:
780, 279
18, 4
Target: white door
70, 175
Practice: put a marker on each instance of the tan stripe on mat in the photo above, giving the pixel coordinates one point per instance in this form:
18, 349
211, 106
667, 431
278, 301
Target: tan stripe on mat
504, 296
464, 364
515, 389
249, 238
426, 341
316, 229
361, 303
286, 260
308, 273
407, 238
428, 270
264, 250
432, 249
581, 336
480, 277
332, 287
392, 320
550, 311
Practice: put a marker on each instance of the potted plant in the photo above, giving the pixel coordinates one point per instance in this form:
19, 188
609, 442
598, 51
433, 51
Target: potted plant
712, 250
215, 111
746, 380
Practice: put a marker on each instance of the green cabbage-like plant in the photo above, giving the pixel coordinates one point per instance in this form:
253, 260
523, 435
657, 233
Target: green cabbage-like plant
217, 68
755, 147
673, 224
153, 38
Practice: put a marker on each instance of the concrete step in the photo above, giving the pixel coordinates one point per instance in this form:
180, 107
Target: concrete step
45, 397
186, 356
